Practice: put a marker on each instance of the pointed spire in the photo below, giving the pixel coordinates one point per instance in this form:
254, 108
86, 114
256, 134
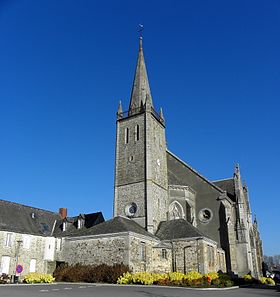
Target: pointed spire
120, 111
140, 88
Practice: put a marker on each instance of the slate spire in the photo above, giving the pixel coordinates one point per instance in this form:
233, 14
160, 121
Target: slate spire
140, 88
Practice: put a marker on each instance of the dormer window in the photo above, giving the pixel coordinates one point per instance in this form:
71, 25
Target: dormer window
64, 226
79, 225
80, 221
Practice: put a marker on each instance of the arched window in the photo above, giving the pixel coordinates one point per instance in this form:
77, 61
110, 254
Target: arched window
126, 135
137, 132
176, 211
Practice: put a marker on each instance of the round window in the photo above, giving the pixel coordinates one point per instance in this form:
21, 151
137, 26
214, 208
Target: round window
131, 209
205, 215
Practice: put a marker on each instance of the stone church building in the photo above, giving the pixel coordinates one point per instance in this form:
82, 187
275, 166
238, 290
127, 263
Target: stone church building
167, 216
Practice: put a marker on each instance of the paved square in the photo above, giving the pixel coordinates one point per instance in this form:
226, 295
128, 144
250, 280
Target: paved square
88, 290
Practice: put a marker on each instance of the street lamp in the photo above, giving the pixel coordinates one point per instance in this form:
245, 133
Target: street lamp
19, 242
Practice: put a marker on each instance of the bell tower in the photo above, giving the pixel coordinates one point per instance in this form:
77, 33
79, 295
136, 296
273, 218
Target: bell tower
141, 184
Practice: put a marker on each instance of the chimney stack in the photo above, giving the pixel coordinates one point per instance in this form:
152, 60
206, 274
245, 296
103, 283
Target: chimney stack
63, 212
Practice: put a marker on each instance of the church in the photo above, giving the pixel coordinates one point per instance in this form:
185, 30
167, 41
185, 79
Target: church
167, 216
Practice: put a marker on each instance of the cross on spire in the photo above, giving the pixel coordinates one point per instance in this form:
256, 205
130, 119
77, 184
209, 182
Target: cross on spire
140, 30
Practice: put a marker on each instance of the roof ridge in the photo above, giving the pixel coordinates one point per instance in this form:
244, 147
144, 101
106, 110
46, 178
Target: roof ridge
171, 224
189, 224
32, 207
213, 181
196, 172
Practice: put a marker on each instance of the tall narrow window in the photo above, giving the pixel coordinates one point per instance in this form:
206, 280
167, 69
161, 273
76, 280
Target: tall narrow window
26, 241
5, 265
137, 132
126, 135
9, 240
32, 267
142, 251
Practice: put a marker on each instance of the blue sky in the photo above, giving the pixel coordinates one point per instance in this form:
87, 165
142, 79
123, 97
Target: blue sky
214, 67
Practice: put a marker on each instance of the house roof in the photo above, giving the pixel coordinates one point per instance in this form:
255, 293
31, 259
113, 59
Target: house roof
89, 220
116, 225
228, 186
176, 229
20, 218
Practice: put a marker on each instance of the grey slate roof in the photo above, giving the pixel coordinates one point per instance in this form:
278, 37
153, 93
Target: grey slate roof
176, 229
20, 218
228, 186
89, 220
115, 225
180, 173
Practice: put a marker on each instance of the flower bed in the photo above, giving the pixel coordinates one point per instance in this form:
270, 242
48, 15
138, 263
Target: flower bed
191, 279
35, 278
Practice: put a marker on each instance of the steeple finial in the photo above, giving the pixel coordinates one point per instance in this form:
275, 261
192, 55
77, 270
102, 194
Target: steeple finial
141, 28
141, 87
237, 170
161, 114
120, 111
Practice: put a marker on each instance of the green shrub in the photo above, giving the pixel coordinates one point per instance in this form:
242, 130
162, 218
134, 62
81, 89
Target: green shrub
224, 277
228, 283
34, 277
216, 282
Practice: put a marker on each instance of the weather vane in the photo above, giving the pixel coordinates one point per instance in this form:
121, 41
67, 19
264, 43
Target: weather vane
141, 28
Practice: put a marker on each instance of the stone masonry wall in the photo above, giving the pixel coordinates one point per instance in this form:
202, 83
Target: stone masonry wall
127, 194
96, 250
186, 255
152, 261
20, 253
139, 252
157, 180
198, 255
